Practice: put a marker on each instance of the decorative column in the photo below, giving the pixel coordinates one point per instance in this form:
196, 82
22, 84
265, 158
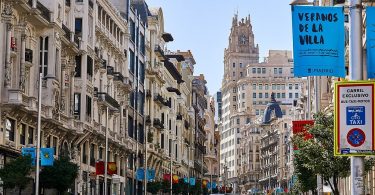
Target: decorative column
22, 64
9, 28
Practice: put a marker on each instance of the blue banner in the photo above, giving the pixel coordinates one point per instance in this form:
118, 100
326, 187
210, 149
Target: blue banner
140, 174
29, 152
318, 41
192, 181
370, 41
214, 185
150, 174
46, 156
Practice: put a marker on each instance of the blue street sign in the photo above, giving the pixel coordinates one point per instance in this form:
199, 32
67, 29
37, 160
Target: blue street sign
355, 115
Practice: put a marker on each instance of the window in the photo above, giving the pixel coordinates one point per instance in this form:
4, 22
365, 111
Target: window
259, 70
275, 71
238, 121
234, 65
240, 65
273, 86
78, 26
260, 95
54, 145
295, 86
280, 70
290, 95
89, 68
77, 104
78, 66
296, 95
243, 104
282, 95
30, 135
43, 55
260, 86
142, 44
265, 95
266, 87
263, 70
241, 74
9, 129
131, 61
254, 70
101, 153
23, 134
291, 70
243, 87
234, 90
290, 86
254, 86
278, 95
256, 112
132, 30
243, 95
282, 86
88, 107
254, 95
92, 155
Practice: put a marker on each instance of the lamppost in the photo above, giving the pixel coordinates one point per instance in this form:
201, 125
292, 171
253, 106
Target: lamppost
188, 161
225, 176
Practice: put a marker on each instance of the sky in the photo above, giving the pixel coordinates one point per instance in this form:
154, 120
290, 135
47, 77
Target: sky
203, 26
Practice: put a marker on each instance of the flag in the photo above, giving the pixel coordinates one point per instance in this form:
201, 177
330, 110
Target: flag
167, 177
140, 174
46, 156
175, 179
99, 167
29, 152
150, 174
214, 185
204, 183
192, 181
111, 168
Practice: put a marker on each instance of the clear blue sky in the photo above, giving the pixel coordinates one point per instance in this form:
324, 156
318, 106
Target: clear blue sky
203, 26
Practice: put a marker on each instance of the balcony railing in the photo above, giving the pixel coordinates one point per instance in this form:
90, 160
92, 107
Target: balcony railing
159, 52
46, 14
107, 98
159, 98
179, 117
29, 55
118, 76
158, 124
67, 32
110, 70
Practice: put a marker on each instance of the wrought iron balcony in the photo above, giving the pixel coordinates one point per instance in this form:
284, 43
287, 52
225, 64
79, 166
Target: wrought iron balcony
67, 32
105, 97
159, 99
110, 70
159, 52
46, 14
179, 116
29, 55
158, 124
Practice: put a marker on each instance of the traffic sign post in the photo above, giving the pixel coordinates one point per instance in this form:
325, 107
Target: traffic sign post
354, 118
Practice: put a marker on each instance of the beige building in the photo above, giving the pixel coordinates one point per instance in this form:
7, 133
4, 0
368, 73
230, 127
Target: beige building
246, 90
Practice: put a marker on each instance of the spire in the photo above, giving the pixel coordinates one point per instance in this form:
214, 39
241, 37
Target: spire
235, 19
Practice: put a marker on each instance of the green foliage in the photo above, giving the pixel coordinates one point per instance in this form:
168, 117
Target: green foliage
306, 178
16, 173
316, 156
154, 187
60, 176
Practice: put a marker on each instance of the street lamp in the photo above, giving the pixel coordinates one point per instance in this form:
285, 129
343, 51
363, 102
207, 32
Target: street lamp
188, 146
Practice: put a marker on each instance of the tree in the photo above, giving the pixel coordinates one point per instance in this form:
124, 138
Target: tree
60, 176
16, 173
154, 187
306, 179
316, 156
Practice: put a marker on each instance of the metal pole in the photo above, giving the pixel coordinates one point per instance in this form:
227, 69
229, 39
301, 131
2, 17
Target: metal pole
39, 130
106, 153
308, 113
188, 169
356, 73
41, 74
171, 175
145, 141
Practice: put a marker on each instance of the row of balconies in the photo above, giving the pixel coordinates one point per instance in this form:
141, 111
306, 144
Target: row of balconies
162, 101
